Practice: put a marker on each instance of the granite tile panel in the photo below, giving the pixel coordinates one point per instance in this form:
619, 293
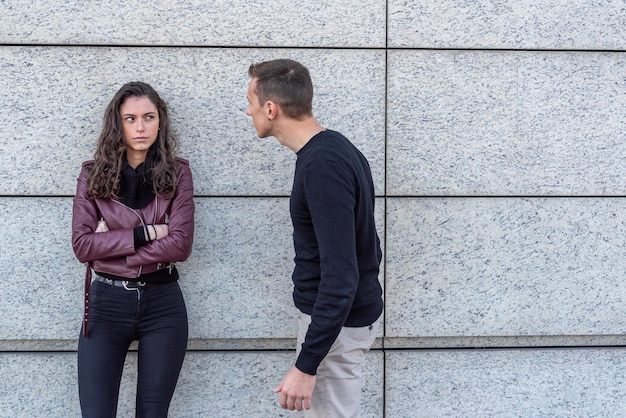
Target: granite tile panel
211, 384
505, 383
526, 24
240, 384
505, 123
220, 23
42, 280
38, 385
508, 267
54, 99
237, 281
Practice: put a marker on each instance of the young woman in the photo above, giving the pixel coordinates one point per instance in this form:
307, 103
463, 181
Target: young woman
133, 218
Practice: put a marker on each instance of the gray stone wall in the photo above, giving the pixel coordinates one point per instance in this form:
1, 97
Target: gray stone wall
496, 136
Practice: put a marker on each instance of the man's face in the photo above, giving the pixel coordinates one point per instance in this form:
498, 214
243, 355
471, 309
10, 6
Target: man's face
257, 112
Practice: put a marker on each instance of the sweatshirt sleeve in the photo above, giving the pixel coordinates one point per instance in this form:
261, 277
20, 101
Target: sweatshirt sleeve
330, 192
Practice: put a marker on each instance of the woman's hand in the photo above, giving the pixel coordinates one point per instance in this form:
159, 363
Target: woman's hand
102, 226
155, 232
158, 231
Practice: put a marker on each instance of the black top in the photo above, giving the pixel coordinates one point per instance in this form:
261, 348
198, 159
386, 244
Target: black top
337, 248
136, 192
136, 186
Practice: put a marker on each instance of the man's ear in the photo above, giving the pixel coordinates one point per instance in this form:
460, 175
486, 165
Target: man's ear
271, 109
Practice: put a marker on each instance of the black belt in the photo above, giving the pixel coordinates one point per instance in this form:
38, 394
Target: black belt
126, 284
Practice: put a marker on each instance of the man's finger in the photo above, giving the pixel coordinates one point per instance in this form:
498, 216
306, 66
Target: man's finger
299, 404
282, 400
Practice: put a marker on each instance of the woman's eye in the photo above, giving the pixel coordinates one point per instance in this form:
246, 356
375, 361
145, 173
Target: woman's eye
129, 119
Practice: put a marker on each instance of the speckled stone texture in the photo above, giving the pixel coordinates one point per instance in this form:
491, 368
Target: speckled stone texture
57, 97
41, 279
495, 133
322, 23
505, 383
505, 123
507, 24
237, 282
505, 267
211, 384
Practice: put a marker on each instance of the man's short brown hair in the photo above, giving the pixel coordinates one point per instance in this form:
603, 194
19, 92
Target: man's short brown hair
286, 82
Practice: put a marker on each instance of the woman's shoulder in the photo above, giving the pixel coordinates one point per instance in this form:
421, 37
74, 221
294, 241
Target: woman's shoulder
86, 166
182, 165
181, 161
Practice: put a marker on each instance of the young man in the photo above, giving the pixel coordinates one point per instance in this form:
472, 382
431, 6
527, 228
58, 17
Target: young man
338, 253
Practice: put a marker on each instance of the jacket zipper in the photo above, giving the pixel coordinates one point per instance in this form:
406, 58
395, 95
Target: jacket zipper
141, 219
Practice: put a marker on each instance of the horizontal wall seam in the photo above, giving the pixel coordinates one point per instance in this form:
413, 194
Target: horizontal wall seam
382, 196
383, 344
363, 48
377, 350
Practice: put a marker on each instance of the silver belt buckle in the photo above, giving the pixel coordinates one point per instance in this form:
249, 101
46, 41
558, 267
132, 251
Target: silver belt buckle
139, 284
125, 284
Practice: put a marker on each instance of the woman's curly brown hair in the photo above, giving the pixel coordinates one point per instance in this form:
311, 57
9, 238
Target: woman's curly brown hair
104, 176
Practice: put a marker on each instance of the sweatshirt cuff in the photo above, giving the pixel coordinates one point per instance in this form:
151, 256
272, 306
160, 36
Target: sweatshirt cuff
306, 365
140, 236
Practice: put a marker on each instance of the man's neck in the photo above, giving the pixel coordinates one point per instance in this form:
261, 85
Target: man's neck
295, 134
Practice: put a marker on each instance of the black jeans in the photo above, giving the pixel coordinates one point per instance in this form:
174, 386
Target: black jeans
156, 316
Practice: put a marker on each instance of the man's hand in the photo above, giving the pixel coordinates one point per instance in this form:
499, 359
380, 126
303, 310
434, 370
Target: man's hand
296, 390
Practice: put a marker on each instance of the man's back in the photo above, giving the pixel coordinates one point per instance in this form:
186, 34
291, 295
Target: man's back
337, 248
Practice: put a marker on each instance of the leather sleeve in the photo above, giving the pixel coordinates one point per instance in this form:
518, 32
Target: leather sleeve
88, 245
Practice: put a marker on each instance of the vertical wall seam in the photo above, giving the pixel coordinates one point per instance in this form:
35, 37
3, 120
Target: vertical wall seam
386, 81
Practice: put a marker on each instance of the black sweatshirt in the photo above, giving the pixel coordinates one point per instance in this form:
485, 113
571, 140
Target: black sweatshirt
337, 248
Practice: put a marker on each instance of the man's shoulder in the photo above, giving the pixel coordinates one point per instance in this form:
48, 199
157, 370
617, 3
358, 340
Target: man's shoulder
330, 134
329, 143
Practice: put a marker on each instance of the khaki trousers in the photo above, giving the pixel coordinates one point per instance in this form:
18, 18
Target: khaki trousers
337, 392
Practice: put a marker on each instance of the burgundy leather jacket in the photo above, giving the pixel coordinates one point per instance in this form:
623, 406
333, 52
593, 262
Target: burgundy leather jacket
114, 251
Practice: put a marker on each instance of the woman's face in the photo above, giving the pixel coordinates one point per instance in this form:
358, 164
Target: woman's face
140, 126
